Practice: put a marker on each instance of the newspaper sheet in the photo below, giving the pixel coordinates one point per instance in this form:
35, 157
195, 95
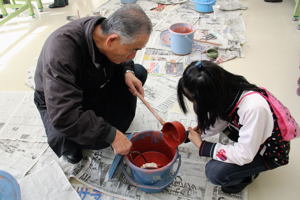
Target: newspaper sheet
163, 62
47, 157
180, 13
8, 103
25, 123
17, 157
87, 193
215, 193
49, 182
151, 8
188, 120
225, 26
160, 92
189, 183
143, 115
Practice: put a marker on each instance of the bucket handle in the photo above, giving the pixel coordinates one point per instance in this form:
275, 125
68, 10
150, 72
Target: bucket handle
137, 152
132, 182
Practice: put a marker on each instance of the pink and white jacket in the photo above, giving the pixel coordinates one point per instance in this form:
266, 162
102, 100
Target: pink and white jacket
257, 123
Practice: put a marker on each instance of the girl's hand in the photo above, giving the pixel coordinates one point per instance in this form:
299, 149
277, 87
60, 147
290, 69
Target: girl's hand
196, 128
195, 137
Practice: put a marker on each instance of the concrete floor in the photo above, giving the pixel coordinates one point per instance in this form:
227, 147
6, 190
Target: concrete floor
272, 58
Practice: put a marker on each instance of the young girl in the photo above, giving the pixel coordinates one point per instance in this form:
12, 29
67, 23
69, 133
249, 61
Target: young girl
225, 102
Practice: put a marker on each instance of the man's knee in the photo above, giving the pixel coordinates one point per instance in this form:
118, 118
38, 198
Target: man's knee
140, 72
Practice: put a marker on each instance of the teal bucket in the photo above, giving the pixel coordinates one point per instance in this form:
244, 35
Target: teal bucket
150, 147
181, 38
204, 6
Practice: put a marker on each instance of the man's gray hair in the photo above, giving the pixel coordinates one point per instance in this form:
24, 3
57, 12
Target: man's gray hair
128, 21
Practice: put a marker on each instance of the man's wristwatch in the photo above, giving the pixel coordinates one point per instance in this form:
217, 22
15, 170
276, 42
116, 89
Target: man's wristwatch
130, 71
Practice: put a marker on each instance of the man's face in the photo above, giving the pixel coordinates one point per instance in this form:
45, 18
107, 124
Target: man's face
117, 52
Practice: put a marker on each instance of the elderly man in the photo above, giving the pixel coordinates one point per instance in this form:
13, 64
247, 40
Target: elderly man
86, 82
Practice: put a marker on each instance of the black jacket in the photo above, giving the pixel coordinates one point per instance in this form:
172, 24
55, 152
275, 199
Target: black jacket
69, 75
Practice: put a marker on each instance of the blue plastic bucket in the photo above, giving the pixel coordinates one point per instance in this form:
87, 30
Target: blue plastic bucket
128, 1
150, 180
205, 6
9, 188
182, 36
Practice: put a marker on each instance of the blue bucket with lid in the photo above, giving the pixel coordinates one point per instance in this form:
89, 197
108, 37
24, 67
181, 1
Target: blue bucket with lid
149, 145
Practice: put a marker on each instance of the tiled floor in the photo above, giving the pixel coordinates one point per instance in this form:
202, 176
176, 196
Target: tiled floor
272, 58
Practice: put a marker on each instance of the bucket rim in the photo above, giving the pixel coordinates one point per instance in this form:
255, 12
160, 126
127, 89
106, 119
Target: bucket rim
9, 186
156, 187
129, 163
171, 31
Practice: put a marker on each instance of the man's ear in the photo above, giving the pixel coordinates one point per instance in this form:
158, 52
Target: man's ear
111, 39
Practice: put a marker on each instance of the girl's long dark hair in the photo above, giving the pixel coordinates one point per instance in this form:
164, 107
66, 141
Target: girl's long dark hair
212, 89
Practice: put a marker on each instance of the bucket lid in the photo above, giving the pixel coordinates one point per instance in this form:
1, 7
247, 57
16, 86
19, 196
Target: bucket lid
173, 133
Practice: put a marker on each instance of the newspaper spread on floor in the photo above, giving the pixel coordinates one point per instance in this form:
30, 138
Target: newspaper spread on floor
23, 147
190, 182
222, 30
17, 157
48, 182
8, 103
24, 123
18, 154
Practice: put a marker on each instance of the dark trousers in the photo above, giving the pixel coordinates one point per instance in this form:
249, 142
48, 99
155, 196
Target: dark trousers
118, 107
226, 174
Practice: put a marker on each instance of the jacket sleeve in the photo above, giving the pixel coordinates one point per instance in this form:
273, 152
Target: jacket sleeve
257, 125
218, 127
128, 66
64, 97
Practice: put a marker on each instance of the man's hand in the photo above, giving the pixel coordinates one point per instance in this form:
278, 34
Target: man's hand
134, 84
121, 144
195, 137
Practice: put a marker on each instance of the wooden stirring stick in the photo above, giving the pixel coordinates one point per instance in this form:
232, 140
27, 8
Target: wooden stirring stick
161, 121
